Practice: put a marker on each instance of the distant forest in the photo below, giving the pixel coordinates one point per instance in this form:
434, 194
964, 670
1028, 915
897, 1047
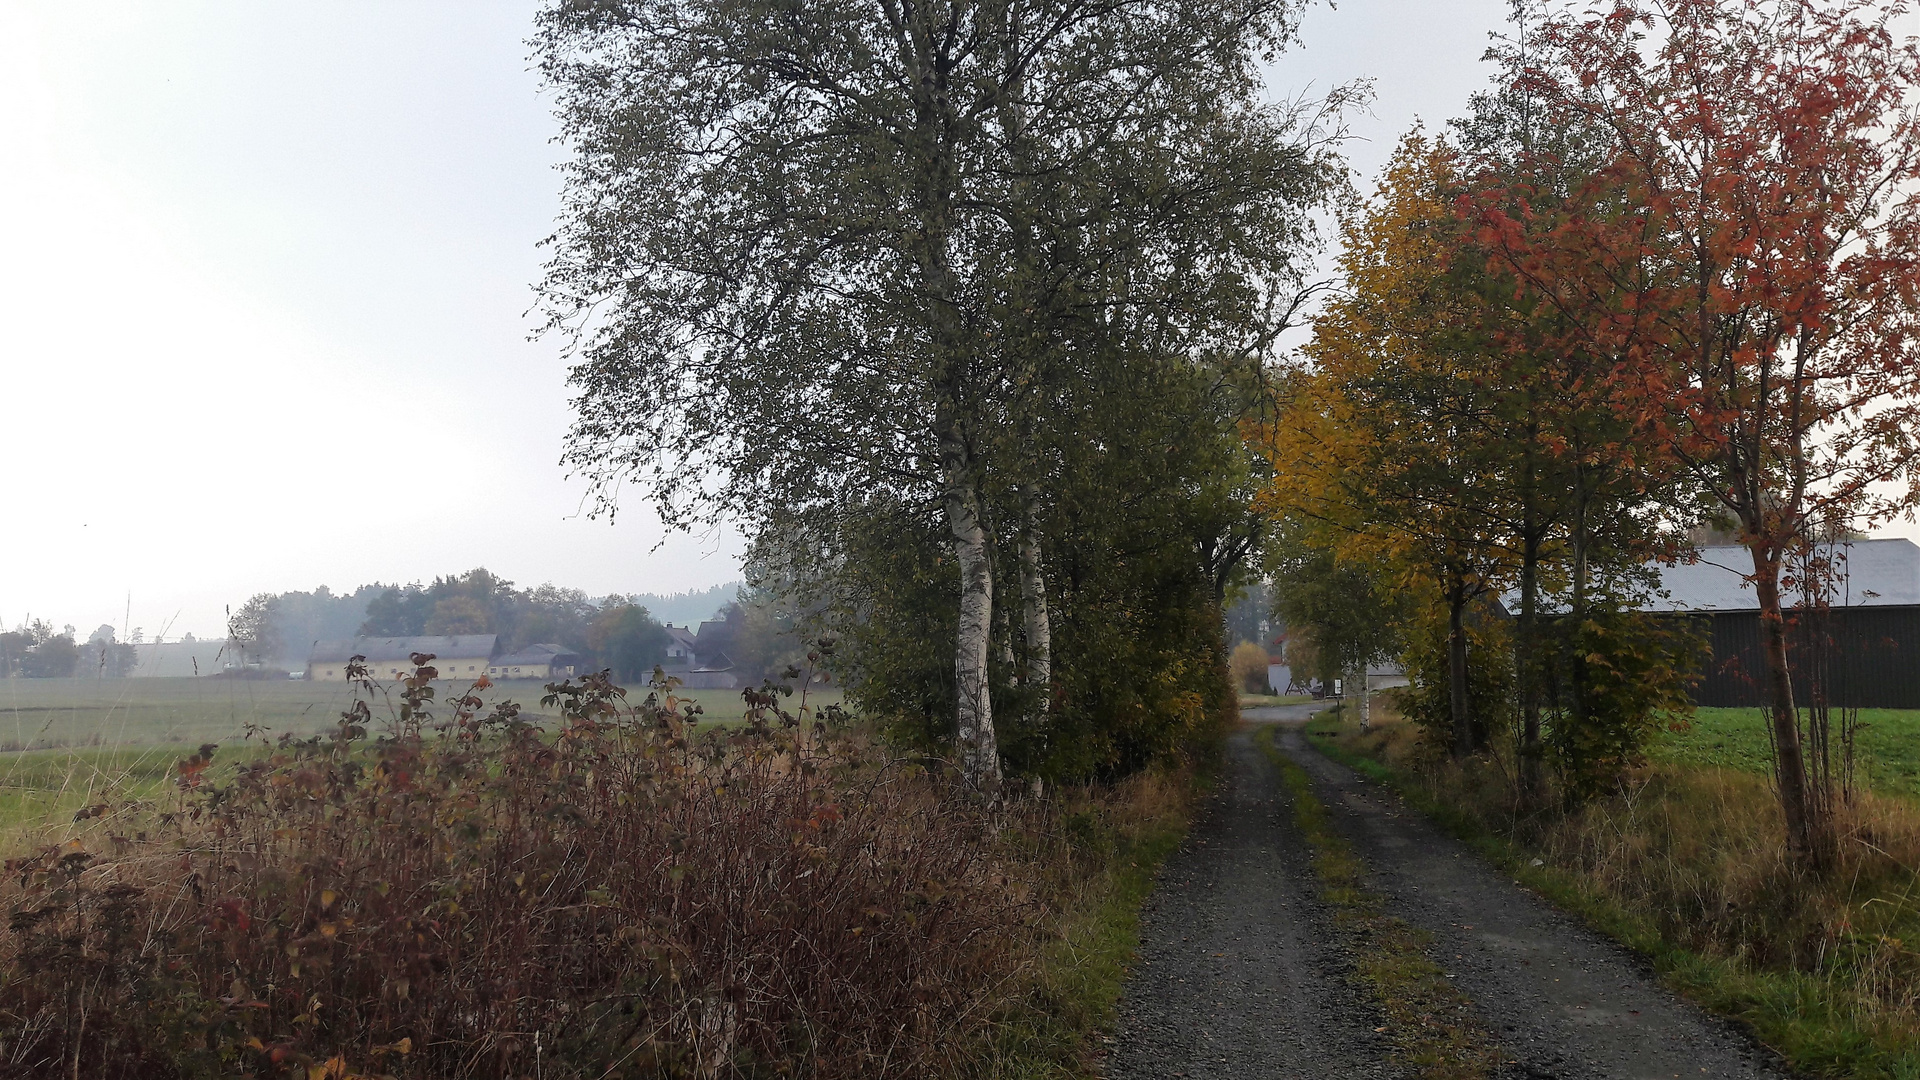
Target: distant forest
279, 629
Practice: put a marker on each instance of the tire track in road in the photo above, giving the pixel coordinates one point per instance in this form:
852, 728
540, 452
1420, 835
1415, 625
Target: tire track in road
1563, 1000
1242, 972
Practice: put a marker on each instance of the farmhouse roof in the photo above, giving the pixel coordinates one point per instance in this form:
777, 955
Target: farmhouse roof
1872, 573
388, 649
534, 655
682, 635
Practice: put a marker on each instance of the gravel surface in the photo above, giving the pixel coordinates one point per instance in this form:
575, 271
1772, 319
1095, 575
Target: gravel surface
1242, 974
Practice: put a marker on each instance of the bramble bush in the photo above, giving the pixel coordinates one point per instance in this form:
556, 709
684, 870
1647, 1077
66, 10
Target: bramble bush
632, 894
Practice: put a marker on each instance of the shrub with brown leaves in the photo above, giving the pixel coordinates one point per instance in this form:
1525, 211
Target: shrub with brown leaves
627, 895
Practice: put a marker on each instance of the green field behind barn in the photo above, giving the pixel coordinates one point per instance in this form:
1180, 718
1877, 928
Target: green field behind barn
71, 743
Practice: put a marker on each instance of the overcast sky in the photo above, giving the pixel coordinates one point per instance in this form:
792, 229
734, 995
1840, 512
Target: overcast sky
264, 275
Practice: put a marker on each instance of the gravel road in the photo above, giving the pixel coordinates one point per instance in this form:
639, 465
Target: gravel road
1242, 974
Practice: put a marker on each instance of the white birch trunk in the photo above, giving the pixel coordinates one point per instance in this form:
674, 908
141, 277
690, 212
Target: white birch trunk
1366, 703
1039, 624
979, 751
1003, 635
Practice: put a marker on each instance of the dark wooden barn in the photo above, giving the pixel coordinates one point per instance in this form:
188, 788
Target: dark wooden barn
1862, 649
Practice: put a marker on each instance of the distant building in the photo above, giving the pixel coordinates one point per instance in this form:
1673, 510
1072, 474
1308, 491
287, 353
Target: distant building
700, 660
184, 659
680, 647
456, 656
543, 662
1864, 647
1381, 676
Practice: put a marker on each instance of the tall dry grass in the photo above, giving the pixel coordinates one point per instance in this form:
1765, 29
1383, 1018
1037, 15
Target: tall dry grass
626, 895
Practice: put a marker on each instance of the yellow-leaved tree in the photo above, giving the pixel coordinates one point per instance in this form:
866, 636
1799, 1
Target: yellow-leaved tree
1393, 434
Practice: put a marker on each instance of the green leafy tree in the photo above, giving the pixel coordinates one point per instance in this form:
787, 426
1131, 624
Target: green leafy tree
628, 641
839, 255
460, 615
1353, 610
105, 656
48, 653
398, 612
251, 636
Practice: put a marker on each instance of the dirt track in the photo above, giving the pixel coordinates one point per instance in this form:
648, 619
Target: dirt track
1242, 973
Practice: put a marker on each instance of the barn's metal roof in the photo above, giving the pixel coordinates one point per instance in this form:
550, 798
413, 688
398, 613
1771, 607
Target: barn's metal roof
535, 655
1873, 573
389, 649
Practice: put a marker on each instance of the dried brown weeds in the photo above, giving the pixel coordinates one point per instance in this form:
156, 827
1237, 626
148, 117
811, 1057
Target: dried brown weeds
629, 895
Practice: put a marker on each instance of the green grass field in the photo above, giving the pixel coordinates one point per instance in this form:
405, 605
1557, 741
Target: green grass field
39, 787
70, 743
1887, 745
56, 713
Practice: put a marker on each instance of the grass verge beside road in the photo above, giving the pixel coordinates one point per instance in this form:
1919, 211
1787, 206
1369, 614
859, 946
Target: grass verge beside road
1261, 701
1685, 866
1119, 838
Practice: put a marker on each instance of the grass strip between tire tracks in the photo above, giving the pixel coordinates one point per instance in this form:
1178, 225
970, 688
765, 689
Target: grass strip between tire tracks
1430, 1021
1790, 1012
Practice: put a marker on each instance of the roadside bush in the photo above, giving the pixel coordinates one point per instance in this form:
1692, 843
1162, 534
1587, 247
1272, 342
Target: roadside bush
629, 895
1611, 680
1248, 662
1427, 700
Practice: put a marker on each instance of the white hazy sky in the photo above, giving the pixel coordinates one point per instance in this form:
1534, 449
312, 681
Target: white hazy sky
264, 275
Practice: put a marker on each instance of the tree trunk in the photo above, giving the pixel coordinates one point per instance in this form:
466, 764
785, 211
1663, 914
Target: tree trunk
1582, 540
1003, 643
1804, 830
1039, 623
979, 752
1366, 703
1532, 752
1457, 669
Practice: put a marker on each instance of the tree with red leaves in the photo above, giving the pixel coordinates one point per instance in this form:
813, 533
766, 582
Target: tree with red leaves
1746, 258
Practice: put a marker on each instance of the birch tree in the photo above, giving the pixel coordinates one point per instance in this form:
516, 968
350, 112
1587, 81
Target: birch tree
816, 254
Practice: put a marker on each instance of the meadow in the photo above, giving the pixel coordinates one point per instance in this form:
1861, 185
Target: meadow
71, 743
1887, 745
